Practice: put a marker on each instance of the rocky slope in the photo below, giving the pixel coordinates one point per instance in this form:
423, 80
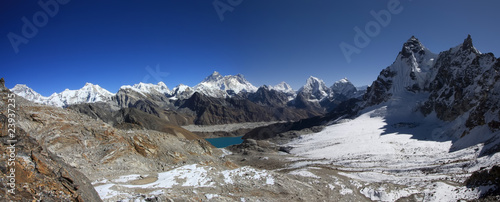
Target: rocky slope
39, 173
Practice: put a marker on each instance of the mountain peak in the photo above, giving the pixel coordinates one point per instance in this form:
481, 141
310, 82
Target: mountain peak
89, 86
214, 77
217, 85
161, 84
344, 80
20, 86
412, 38
466, 47
283, 87
467, 43
412, 46
313, 79
28, 93
344, 87
315, 88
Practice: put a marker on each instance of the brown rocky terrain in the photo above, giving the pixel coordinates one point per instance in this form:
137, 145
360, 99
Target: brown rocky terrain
39, 174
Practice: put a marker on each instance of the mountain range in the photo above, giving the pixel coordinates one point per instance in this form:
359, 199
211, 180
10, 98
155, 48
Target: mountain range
216, 100
215, 85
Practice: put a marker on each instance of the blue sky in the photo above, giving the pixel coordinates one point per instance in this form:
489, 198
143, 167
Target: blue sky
111, 43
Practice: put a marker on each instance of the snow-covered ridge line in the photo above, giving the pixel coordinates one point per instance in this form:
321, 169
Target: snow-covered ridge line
214, 85
90, 93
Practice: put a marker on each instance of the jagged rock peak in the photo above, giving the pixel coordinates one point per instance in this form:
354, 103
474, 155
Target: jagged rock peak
467, 43
265, 87
412, 46
2, 83
466, 47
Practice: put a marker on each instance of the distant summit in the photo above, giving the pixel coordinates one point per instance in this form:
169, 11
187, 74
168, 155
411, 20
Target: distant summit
89, 93
217, 85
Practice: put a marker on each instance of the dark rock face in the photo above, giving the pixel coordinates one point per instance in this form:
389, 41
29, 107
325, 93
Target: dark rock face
213, 111
466, 81
486, 178
142, 115
266, 97
377, 92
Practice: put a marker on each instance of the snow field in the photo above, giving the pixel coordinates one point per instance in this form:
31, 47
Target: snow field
366, 150
193, 175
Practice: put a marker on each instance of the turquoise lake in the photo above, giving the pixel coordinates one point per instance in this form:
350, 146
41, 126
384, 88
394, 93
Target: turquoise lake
222, 142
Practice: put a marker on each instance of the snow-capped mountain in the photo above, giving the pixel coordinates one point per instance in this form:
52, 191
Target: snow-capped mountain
344, 87
460, 86
411, 71
217, 85
90, 93
182, 91
315, 89
466, 90
283, 87
148, 88
28, 93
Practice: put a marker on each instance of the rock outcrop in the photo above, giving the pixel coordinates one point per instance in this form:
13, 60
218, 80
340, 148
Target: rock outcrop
38, 174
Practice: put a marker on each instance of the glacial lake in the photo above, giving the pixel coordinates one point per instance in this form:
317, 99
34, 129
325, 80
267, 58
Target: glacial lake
222, 142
